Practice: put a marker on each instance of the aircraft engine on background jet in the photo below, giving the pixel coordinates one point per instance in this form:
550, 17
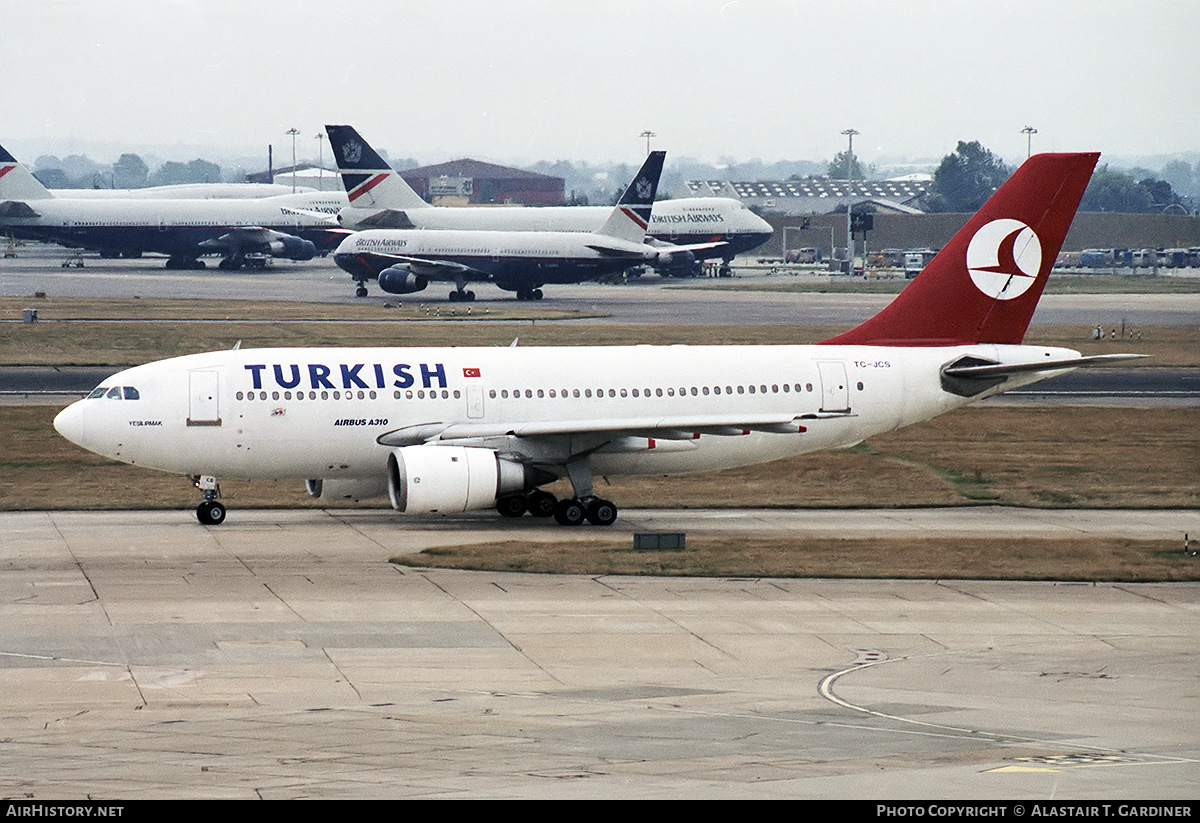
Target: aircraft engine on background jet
675, 263
293, 248
424, 479
399, 280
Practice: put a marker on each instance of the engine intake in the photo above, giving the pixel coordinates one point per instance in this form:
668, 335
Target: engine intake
423, 479
676, 263
399, 280
293, 248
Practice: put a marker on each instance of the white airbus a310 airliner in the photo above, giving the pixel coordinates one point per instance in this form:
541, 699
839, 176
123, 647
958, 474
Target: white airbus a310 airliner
459, 429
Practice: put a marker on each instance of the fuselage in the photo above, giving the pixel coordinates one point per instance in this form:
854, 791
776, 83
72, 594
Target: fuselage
185, 191
681, 222
514, 260
173, 226
319, 413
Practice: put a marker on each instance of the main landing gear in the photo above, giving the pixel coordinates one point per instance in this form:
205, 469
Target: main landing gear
210, 512
570, 512
529, 294
185, 264
462, 296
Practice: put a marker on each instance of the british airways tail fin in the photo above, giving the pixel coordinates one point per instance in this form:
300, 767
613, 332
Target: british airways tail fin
370, 182
985, 283
631, 217
16, 183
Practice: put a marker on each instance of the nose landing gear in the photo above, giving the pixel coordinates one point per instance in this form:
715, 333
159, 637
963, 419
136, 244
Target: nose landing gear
210, 512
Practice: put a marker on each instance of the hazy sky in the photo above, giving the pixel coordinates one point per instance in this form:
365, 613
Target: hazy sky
523, 80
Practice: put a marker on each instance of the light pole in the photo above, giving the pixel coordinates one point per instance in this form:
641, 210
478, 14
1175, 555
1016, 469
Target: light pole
850, 161
849, 233
1029, 132
647, 134
320, 160
293, 132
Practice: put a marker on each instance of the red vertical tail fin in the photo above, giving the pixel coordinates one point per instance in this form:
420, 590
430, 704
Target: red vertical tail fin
985, 283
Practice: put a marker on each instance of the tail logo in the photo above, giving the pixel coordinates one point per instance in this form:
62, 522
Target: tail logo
352, 151
643, 188
1004, 258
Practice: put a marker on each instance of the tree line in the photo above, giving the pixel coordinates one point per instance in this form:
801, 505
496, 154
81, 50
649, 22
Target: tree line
129, 172
965, 179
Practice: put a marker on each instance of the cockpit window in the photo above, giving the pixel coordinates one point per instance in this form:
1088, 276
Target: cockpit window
116, 393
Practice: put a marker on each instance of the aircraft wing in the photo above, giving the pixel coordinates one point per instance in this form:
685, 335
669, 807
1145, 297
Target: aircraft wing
616, 251
434, 269
240, 239
657, 248
256, 239
713, 244
687, 427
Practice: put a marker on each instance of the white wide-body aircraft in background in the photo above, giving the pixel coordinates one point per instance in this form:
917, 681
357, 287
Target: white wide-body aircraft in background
379, 198
457, 429
243, 230
404, 261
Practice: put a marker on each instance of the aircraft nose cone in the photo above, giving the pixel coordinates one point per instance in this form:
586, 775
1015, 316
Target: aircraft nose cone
69, 423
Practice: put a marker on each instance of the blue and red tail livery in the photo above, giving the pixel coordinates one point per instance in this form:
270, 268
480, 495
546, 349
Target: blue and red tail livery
370, 182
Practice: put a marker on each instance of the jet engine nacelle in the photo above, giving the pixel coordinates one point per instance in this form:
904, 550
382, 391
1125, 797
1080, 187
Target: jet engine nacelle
399, 280
293, 248
675, 263
425, 479
347, 488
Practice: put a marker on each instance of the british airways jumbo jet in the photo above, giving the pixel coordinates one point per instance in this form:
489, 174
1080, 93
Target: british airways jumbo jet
379, 198
460, 429
407, 260
241, 230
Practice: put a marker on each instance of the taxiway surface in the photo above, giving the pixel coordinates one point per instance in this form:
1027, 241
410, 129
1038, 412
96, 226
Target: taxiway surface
649, 300
282, 656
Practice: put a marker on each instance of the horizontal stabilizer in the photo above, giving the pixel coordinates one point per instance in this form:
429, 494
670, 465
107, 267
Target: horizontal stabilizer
387, 219
1005, 369
17, 208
